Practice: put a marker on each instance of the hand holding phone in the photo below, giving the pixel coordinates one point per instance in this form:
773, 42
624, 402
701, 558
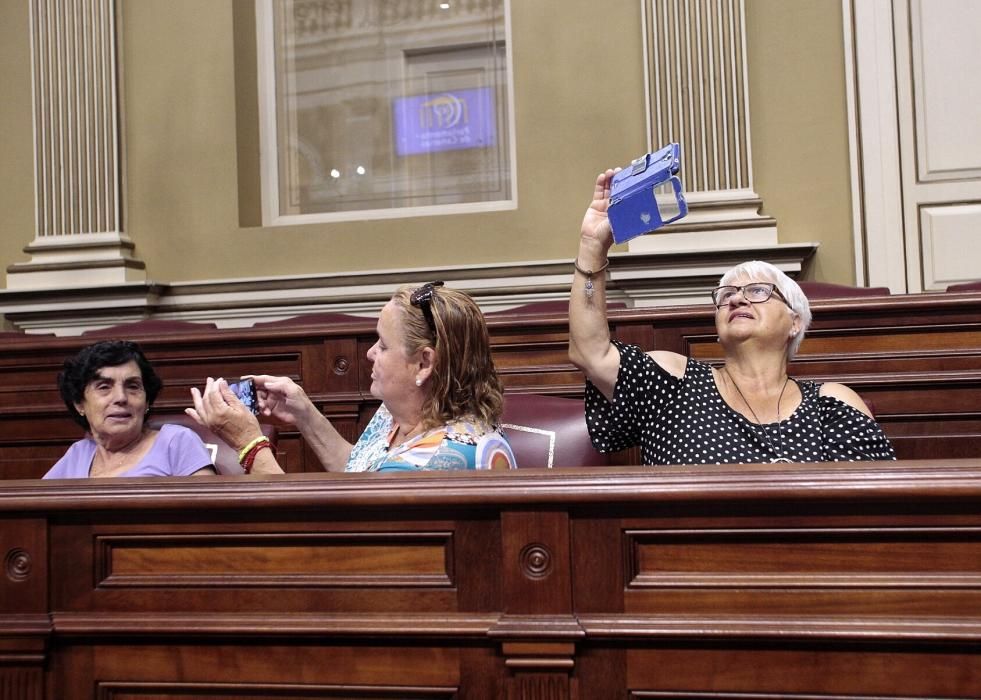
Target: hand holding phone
245, 391
636, 206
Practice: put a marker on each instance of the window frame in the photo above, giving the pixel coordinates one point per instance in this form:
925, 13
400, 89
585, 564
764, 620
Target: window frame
269, 143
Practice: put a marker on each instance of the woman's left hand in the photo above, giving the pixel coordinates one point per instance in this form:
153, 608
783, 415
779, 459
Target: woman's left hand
220, 411
596, 233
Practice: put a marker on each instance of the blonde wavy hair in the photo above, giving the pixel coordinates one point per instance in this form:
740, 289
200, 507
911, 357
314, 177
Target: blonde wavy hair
464, 381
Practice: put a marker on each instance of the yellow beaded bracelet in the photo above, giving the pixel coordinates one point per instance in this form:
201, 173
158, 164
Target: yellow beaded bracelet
245, 450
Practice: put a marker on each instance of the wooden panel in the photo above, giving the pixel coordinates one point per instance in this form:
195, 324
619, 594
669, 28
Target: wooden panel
24, 573
915, 358
21, 684
794, 670
734, 571
319, 566
266, 691
24, 623
536, 545
273, 671
329, 559
740, 581
904, 557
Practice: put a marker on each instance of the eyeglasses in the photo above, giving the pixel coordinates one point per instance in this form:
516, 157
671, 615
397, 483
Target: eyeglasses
754, 292
423, 298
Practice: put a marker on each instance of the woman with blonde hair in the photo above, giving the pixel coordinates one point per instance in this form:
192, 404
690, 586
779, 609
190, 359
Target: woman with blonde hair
433, 372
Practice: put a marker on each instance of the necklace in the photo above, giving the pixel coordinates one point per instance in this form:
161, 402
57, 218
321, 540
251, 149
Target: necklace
766, 434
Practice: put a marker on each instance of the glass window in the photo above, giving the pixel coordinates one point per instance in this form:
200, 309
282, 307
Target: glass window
384, 108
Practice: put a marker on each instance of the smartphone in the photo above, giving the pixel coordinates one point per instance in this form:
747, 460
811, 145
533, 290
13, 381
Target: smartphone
245, 391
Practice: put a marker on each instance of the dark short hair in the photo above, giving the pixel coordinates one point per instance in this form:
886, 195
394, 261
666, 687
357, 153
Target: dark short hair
85, 366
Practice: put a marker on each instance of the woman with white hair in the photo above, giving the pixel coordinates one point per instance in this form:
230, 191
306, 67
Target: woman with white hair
682, 411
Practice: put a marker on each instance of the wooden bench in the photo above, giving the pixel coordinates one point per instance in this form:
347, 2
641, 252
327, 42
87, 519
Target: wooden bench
915, 358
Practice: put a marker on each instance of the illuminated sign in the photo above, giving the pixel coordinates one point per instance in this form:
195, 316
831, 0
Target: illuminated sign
446, 121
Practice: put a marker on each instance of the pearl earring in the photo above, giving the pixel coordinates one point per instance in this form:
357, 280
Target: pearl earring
418, 382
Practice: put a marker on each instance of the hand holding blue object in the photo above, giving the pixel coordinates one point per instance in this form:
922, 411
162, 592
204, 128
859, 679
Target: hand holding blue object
634, 209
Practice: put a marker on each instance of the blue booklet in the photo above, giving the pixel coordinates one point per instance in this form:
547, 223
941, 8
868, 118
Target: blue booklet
634, 208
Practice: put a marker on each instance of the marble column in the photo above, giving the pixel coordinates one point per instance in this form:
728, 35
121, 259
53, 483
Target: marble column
78, 157
695, 53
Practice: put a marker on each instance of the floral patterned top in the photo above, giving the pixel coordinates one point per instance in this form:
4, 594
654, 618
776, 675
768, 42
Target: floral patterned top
462, 444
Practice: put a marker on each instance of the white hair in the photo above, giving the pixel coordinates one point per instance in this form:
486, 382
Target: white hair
759, 271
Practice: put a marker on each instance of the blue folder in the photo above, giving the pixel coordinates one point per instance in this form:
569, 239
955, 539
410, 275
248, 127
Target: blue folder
634, 209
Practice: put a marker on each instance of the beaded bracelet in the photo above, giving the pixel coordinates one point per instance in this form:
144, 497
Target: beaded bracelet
589, 275
245, 450
250, 457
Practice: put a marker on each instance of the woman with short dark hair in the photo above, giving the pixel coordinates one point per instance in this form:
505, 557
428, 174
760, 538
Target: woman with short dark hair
108, 388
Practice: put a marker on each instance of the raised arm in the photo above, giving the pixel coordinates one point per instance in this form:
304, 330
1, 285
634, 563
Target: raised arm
589, 332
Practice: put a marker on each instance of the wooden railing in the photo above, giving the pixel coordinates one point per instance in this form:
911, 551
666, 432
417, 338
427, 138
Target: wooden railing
756, 581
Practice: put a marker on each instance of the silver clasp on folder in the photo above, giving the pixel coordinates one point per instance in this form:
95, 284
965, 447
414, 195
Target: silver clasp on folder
638, 165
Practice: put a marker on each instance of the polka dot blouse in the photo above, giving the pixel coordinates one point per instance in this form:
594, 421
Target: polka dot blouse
686, 421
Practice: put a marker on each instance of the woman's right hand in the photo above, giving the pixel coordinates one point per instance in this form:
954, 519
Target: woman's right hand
283, 399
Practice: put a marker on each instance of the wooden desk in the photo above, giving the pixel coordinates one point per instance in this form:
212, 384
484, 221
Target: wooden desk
915, 358
759, 581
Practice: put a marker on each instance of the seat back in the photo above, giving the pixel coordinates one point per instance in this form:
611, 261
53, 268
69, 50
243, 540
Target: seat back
541, 307
149, 326
549, 431
974, 286
312, 320
830, 290
223, 456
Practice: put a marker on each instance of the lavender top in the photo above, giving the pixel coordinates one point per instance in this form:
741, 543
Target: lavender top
177, 451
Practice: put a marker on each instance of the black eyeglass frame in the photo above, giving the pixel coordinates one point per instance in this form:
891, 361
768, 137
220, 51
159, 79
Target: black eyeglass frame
423, 299
741, 290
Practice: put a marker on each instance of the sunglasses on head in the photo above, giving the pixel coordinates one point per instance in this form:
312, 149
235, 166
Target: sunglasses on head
423, 298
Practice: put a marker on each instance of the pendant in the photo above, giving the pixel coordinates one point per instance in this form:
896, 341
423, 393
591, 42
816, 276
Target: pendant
781, 459
589, 287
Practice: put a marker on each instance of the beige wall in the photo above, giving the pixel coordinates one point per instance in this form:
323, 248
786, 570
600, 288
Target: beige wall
16, 140
189, 133
800, 129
